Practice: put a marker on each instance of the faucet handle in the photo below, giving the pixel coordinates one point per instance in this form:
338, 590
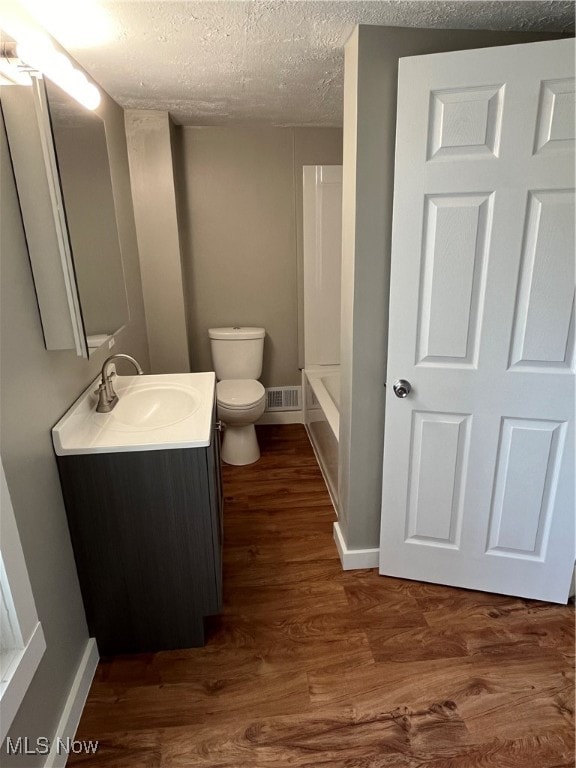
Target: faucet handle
105, 404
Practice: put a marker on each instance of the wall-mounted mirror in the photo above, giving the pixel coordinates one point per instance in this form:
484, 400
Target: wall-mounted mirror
82, 155
62, 170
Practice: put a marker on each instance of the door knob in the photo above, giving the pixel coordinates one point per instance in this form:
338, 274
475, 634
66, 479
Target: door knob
401, 388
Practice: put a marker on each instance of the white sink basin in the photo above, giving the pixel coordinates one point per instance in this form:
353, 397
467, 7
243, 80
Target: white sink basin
153, 413
150, 406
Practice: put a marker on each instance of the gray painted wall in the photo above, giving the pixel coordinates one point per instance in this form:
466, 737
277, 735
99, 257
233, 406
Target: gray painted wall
148, 134
36, 388
240, 201
370, 85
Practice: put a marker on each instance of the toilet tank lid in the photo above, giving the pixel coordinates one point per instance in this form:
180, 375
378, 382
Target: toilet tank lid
237, 332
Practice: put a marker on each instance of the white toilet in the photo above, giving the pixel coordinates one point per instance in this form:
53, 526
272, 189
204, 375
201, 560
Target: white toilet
237, 359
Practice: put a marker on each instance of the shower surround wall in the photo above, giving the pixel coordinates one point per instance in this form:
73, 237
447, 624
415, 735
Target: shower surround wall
240, 216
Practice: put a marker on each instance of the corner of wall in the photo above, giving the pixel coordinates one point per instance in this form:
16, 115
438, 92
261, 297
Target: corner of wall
148, 135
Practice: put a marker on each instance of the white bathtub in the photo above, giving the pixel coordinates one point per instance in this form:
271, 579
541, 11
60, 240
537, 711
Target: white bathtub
321, 390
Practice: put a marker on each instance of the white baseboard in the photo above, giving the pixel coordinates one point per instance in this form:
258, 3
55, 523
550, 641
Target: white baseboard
353, 559
72, 711
281, 417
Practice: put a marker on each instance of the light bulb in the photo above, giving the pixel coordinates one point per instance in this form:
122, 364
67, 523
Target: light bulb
39, 53
90, 96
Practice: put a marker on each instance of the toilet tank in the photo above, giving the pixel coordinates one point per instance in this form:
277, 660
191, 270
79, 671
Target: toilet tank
237, 352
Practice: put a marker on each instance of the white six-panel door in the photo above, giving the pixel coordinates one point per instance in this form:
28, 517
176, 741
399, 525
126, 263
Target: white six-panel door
478, 484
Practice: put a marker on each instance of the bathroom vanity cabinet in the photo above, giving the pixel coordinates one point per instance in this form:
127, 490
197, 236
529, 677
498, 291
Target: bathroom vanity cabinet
146, 529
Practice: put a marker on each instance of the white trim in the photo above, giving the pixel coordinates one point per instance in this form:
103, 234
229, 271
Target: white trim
573, 585
281, 417
353, 559
316, 378
10, 631
26, 635
15, 573
22, 669
58, 212
72, 711
322, 470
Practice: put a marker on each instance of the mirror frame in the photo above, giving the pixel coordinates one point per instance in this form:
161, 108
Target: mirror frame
31, 146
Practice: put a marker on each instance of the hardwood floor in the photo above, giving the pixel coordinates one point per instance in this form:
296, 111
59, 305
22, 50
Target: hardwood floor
312, 666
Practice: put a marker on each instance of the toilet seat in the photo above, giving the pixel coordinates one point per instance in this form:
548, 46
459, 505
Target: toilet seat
239, 394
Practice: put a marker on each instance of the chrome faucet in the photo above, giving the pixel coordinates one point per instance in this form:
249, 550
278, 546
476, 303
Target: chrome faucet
107, 398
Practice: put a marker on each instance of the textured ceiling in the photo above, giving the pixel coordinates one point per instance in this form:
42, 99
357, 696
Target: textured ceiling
266, 61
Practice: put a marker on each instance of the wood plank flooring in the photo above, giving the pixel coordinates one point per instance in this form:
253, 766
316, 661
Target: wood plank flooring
312, 666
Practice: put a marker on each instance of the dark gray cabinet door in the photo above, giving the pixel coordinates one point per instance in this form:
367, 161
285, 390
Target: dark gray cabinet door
146, 533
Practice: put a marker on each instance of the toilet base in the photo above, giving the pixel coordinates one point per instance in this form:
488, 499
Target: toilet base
240, 445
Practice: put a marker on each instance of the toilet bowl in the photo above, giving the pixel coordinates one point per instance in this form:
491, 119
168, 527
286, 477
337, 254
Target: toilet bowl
241, 399
240, 403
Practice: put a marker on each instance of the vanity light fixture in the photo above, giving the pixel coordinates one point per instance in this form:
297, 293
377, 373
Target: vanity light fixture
76, 24
35, 53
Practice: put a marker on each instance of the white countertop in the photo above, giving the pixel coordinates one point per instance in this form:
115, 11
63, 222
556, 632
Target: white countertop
82, 430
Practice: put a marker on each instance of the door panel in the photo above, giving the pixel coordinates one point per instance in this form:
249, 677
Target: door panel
439, 463
457, 234
545, 305
465, 122
529, 459
555, 127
